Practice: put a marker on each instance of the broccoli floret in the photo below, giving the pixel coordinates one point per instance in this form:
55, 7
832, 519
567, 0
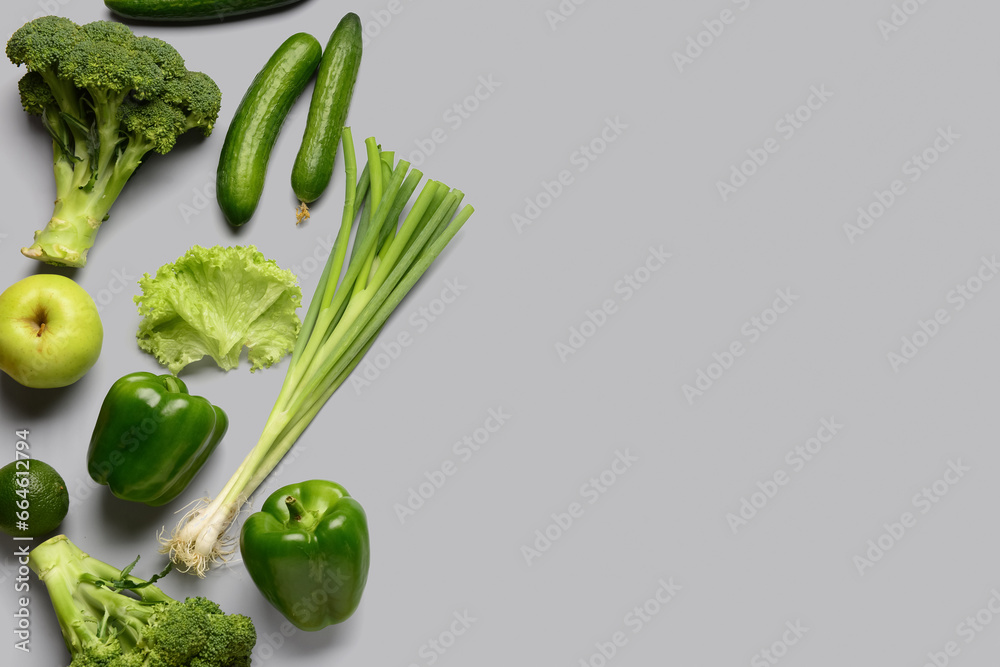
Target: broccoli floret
36, 96
197, 96
41, 43
109, 71
164, 55
104, 627
154, 123
112, 98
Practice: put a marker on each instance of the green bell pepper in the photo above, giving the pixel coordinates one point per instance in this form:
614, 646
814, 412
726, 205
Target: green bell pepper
152, 438
307, 550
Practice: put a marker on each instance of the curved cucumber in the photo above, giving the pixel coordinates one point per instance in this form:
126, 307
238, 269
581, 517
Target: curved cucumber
190, 10
328, 110
255, 126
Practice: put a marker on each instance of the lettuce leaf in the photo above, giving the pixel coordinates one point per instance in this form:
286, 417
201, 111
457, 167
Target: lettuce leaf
216, 301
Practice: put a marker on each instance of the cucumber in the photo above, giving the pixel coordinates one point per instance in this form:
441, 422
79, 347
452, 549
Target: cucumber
255, 126
178, 11
328, 110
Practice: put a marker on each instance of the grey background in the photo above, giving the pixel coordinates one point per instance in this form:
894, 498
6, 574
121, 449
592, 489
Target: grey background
495, 347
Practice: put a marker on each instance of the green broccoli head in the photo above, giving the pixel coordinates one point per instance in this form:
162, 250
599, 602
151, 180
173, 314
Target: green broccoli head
106, 64
195, 632
112, 97
105, 627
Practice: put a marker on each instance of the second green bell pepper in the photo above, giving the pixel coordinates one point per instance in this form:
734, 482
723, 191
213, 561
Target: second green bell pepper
307, 550
152, 438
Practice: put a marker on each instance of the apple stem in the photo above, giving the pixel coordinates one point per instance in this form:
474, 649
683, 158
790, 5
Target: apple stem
41, 329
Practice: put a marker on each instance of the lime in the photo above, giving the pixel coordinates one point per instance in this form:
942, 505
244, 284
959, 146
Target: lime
33, 498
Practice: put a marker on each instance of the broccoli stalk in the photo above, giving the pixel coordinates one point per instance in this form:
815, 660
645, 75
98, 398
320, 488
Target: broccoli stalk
105, 627
107, 97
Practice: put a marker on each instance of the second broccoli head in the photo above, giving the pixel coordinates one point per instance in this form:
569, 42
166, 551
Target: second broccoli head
108, 97
109, 618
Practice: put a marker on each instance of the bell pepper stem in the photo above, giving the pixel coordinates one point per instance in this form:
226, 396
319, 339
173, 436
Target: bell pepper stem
296, 511
299, 517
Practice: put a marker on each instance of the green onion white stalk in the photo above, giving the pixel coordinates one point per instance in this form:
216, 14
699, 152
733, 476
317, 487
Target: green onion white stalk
345, 315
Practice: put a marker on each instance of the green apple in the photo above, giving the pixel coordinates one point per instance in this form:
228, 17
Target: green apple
50, 331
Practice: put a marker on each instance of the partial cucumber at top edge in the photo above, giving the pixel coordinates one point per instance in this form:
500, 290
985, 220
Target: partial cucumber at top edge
190, 10
256, 123
338, 72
